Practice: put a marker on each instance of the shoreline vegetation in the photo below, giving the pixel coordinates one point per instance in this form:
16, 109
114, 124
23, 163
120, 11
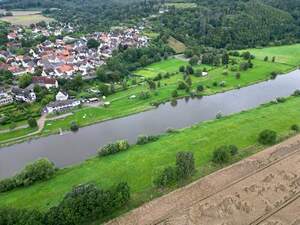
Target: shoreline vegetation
122, 105
150, 159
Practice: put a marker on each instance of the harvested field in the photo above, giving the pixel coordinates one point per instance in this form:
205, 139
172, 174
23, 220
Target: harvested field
25, 18
263, 189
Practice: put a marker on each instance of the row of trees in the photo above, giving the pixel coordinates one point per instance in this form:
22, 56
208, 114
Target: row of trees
83, 204
41, 169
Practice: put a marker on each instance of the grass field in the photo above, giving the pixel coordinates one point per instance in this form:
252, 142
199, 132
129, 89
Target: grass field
25, 18
166, 66
288, 54
141, 164
176, 45
182, 5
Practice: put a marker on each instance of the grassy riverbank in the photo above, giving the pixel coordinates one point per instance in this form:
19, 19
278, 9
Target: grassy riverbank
141, 164
122, 105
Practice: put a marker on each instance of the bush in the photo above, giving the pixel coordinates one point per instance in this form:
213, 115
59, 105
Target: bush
41, 169
200, 87
174, 94
166, 178
280, 99
295, 127
221, 155
32, 122
144, 95
238, 76
296, 93
142, 140
273, 75
113, 148
267, 137
182, 85
86, 203
185, 165
233, 150
10, 216
74, 126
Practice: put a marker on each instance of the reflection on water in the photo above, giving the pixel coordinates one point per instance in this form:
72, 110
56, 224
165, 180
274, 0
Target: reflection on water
72, 148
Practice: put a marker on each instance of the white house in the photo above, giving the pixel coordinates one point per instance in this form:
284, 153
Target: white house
23, 95
62, 96
60, 106
5, 98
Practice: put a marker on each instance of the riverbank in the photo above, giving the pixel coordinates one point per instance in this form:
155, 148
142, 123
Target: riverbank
122, 105
141, 164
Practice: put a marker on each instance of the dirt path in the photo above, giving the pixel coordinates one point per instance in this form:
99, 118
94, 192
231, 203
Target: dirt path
248, 192
41, 124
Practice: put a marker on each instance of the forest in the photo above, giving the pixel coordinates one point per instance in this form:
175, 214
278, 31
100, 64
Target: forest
227, 24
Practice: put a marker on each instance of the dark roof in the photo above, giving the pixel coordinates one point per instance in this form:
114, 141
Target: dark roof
61, 103
43, 80
20, 91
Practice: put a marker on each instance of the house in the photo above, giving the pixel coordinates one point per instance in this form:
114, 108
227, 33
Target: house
23, 95
62, 96
46, 82
65, 70
5, 98
60, 106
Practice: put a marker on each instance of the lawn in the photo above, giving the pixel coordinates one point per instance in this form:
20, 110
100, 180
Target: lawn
165, 66
141, 164
288, 54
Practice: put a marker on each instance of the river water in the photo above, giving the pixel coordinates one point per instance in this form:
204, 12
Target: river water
73, 148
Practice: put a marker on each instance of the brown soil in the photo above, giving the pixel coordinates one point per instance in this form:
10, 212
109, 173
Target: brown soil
262, 189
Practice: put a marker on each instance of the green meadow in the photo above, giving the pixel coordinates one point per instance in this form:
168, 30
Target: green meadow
288, 54
140, 164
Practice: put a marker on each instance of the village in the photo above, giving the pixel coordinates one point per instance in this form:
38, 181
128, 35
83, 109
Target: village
58, 55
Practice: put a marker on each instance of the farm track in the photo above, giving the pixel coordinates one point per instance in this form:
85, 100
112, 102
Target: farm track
249, 192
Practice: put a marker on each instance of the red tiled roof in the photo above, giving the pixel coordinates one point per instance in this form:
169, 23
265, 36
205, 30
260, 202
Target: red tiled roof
65, 68
43, 80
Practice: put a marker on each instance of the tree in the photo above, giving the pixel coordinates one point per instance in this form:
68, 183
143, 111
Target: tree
92, 43
185, 165
189, 70
166, 177
74, 126
32, 122
273, 59
221, 155
295, 127
24, 80
194, 60
103, 88
181, 69
174, 94
200, 87
225, 59
267, 137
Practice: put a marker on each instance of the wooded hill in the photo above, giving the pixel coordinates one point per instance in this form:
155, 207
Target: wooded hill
218, 23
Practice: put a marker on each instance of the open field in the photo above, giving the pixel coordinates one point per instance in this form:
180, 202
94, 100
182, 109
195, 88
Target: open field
141, 164
263, 189
26, 18
288, 54
176, 45
181, 5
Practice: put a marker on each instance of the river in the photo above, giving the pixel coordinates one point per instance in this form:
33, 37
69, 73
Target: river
73, 148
